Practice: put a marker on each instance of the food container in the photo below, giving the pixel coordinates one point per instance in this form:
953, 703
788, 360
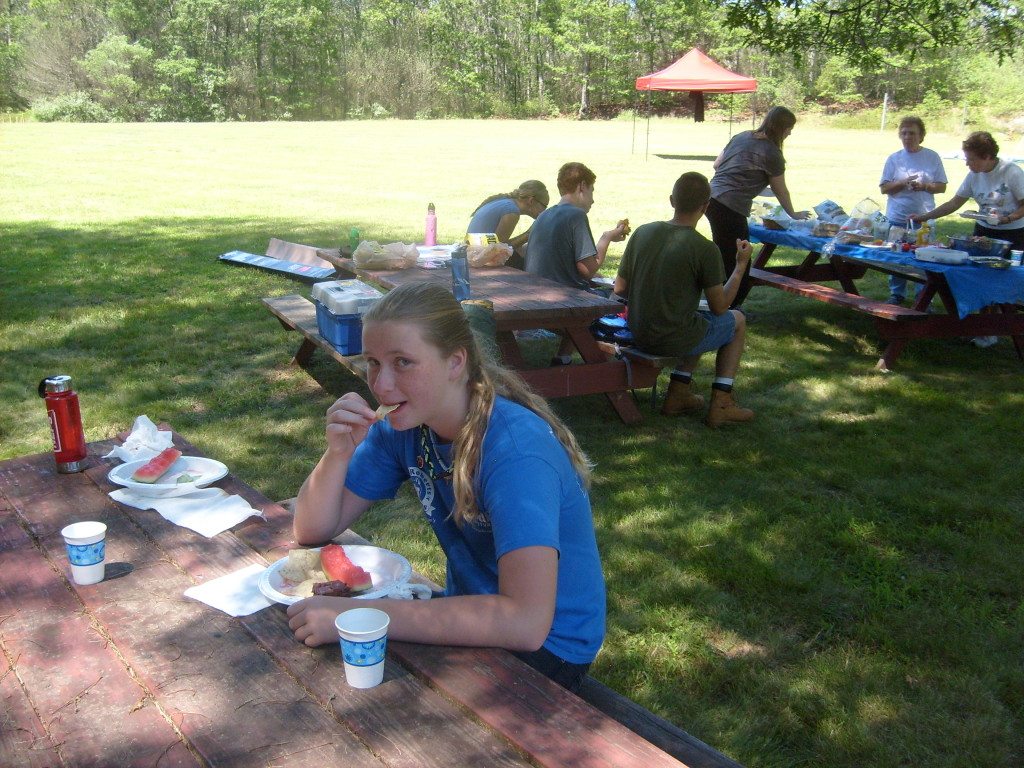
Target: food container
937, 255
979, 246
340, 305
994, 262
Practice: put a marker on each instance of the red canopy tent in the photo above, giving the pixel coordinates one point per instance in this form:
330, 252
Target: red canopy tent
697, 73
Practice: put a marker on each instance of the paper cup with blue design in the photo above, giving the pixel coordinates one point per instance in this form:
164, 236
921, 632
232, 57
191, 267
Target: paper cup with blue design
86, 545
364, 639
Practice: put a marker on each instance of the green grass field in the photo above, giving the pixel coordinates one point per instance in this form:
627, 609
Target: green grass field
838, 583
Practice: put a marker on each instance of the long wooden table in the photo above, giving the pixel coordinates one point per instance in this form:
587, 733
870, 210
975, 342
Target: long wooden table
523, 301
896, 325
129, 672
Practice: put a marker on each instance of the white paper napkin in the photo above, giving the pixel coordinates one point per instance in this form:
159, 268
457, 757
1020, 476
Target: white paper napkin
144, 442
208, 511
237, 594
410, 592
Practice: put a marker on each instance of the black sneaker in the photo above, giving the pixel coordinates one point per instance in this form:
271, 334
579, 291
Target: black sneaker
559, 361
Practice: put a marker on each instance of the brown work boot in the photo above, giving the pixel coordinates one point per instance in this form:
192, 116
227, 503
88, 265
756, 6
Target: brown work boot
724, 410
680, 399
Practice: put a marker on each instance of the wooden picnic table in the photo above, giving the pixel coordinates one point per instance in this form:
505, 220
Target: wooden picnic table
895, 324
523, 301
130, 672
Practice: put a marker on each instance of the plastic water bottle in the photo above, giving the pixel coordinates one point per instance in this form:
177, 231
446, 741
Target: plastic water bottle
460, 273
430, 228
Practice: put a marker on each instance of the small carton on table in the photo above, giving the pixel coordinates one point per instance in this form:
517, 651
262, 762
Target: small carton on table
340, 305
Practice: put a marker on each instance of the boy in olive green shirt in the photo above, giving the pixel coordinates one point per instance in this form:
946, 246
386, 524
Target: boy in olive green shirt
665, 269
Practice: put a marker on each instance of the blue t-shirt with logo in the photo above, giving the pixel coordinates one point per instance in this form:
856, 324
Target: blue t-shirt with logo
529, 494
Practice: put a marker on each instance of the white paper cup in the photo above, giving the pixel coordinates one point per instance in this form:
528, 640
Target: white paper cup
364, 638
86, 546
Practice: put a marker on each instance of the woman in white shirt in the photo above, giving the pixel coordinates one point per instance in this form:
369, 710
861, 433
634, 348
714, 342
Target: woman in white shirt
911, 178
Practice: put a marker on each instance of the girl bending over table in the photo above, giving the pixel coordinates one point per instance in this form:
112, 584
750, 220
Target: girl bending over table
500, 214
503, 484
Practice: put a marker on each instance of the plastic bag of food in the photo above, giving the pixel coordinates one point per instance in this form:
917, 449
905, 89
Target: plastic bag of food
778, 219
866, 223
758, 210
493, 255
829, 211
372, 255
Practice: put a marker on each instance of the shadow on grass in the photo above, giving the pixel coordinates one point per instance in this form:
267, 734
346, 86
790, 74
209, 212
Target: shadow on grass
708, 158
863, 521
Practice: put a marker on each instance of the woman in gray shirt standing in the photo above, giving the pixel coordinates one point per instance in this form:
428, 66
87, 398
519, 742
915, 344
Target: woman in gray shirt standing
751, 161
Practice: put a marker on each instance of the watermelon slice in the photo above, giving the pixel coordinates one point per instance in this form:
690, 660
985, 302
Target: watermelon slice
151, 472
338, 567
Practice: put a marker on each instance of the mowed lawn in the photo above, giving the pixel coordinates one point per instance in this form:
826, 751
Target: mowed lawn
838, 583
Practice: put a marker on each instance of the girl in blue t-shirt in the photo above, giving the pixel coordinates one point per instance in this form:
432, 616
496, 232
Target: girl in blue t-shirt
502, 482
500, 214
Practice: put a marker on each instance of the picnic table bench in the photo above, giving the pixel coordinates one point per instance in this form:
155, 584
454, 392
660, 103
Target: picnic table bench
297, 313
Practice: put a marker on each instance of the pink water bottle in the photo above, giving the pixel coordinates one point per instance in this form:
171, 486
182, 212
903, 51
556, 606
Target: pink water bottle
430, 236
65, 423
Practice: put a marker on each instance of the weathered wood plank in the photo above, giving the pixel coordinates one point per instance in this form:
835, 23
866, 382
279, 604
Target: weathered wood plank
527, 708
830, 295
90, 708
183, 653
691, 751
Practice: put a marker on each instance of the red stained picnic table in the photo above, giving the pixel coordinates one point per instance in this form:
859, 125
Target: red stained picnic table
130, 672
894, 324
523, 301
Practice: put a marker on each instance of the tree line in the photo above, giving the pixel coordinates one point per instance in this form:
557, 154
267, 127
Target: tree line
203, 60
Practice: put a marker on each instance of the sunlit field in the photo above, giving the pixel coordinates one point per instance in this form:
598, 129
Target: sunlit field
837, 583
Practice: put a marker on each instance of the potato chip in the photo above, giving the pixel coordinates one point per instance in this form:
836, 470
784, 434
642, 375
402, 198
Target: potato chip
384, 410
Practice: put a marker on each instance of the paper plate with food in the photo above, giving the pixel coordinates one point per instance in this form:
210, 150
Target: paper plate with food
339, 570
167, 474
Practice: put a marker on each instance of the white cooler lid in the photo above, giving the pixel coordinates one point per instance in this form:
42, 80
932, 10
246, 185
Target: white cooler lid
346, 297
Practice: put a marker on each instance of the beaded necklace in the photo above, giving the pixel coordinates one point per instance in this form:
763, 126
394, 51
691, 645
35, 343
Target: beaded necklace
426, 460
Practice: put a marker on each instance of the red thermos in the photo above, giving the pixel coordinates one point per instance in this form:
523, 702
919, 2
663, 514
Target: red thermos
65, 423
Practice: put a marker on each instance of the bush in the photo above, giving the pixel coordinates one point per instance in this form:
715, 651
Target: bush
75, 107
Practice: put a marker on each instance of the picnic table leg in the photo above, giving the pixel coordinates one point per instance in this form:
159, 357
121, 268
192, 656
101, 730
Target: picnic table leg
843, 274
305, 350
304, 353
620, 400
511, 354
763, 254
809, 261
1018, 340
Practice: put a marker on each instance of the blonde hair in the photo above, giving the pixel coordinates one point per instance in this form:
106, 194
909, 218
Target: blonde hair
526, 190
443, 324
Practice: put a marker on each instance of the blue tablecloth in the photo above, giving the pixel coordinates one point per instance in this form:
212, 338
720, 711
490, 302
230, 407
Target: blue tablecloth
973, 286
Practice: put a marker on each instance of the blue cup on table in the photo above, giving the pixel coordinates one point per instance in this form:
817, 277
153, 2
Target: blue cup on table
363, 633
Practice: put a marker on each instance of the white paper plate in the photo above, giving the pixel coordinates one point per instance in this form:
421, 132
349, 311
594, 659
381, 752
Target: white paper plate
877, 246
387, 570
209, 470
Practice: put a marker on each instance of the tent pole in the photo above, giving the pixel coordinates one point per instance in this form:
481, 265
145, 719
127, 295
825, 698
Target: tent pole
647, 146
632, 148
